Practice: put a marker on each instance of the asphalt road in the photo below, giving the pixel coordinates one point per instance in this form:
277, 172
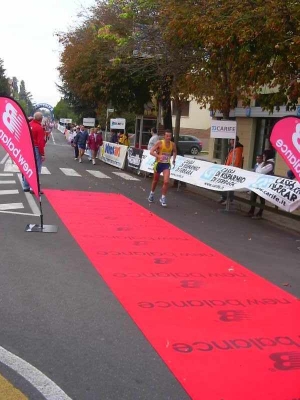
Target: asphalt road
59, 315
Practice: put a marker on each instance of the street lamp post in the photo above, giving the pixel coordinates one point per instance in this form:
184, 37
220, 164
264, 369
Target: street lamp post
108, 111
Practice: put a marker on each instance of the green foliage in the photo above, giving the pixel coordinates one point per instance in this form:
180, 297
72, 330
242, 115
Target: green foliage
4, 84
15, 88
64, 110
128, 51
25, 99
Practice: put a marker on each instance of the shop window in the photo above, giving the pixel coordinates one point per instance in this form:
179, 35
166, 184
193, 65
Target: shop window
262, 136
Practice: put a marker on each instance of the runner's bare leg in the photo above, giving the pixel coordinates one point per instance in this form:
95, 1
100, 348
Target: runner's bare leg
154, 181
166, 174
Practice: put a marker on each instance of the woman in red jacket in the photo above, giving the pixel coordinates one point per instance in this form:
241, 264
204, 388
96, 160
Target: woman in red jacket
94, 143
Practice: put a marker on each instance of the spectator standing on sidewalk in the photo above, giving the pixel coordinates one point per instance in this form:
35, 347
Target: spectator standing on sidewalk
234, 159
81, 140
153, 140
95, 141
290, 174
72, 138
38, 137
259, 160
124, 139
265, 168
114, 137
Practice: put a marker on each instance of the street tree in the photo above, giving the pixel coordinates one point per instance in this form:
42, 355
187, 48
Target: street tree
91, 73
136, 29
15, 88
4, 84
26, 99
64, 110
236, 47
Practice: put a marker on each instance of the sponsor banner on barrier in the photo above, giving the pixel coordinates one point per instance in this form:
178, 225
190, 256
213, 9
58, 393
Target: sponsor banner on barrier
134, 157
284, 193
113, 154
285, 138
61, 128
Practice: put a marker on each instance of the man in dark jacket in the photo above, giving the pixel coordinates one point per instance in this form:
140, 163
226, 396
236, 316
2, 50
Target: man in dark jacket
81, 140
114, 137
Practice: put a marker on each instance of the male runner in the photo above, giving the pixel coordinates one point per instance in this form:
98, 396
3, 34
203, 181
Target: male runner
162, 151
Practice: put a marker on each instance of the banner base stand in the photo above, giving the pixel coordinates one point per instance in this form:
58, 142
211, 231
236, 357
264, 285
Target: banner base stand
41, 228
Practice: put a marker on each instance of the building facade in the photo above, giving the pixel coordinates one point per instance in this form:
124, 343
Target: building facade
254, 128
195, 121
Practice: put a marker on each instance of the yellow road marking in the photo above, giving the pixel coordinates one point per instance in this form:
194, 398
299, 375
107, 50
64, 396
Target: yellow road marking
9, 392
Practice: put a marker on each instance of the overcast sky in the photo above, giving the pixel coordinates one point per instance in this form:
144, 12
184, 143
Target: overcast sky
28, 46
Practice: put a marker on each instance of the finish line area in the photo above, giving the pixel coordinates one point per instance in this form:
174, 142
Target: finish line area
223, 331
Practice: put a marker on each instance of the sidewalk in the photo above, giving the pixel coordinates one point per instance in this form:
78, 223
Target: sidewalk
240, 206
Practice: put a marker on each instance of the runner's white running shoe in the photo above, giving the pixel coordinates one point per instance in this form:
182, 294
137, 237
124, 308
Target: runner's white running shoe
151, 198
163, 201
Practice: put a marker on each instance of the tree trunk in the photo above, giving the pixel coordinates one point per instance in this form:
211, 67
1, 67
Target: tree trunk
166, 104
224, 145
178, 113
168, 115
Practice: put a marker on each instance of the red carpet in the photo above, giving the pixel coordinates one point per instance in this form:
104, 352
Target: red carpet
224, 332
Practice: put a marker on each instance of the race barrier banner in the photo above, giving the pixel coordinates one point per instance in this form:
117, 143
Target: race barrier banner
283, 193
61, 128
15, 137
113, 154
134, 157
285, 138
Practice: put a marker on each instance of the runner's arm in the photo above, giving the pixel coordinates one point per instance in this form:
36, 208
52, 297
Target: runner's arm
154, 150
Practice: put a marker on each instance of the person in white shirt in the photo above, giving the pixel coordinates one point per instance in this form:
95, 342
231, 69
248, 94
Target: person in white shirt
265, 168
153, 140
72, 138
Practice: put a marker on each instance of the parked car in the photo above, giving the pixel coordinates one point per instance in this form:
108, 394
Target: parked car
189, 144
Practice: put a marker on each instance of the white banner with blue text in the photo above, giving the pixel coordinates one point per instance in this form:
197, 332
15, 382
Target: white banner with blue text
113, 154
283, 193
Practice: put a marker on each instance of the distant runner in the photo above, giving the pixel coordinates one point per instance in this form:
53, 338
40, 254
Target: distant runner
162, 151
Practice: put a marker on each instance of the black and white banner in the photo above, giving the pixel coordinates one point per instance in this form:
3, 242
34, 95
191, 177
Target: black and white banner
134, 157
284, 193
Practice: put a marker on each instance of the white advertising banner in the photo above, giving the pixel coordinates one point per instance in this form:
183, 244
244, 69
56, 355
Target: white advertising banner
223, 129
284, 193
61, 128
113, 154
118, 123
89, 122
